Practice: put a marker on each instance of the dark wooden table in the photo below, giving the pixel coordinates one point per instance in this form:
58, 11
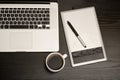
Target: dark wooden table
30, 66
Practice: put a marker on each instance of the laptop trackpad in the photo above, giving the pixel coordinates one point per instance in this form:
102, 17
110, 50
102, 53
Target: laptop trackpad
21, 40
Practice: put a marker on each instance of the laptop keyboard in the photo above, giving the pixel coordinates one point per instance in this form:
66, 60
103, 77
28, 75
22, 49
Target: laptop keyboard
24, 18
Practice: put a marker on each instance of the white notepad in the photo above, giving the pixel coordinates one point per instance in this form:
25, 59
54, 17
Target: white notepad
85, 23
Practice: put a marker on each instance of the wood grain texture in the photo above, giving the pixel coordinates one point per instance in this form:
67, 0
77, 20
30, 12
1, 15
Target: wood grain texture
30, 66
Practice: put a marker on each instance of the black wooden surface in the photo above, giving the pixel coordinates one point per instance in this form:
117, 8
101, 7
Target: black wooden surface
30, 66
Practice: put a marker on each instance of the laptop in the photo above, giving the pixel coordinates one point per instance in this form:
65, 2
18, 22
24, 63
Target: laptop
29, 26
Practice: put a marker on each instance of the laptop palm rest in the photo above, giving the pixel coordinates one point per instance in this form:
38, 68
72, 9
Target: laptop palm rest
21, 40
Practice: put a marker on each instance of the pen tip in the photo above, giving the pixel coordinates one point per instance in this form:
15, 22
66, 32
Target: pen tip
67, 21
85, 46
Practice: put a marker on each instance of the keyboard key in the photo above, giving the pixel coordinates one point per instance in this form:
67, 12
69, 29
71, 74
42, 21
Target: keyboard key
43, 22
47, 8
2, 8
29, 19
27, 22
5, 19
9, 19
13, 19
10, 11
46, 11
45, 19
47, 27
40, 19
35, 26
43, 26
39, 22
33, 19
1, 19
19, 22
41, 11
11, 22
23, 8
25, 19
17, 19
14, 11
14, 8
39, 15
43, 15
43, 8
20, 15
26, 11
36, 15
3, 22
8, 15
40, 27
6, 8
16, 15
4, 15
22, 11
0, 15
23, 22
15, 22
31, 26
39, 8
2, 11
6, 26
27, 8
18, 11
12, 15
35, 22
35, 8
6, 11
19, 8
30, 11
38, 12
21, 19
31, 22
47, 15
19, 27
37, 19
7, 22
1, 26
10, 8
32, 15
28, 15
34, 11
24, 15
47, 22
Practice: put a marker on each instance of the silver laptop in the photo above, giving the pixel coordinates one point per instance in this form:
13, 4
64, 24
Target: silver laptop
30, 26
